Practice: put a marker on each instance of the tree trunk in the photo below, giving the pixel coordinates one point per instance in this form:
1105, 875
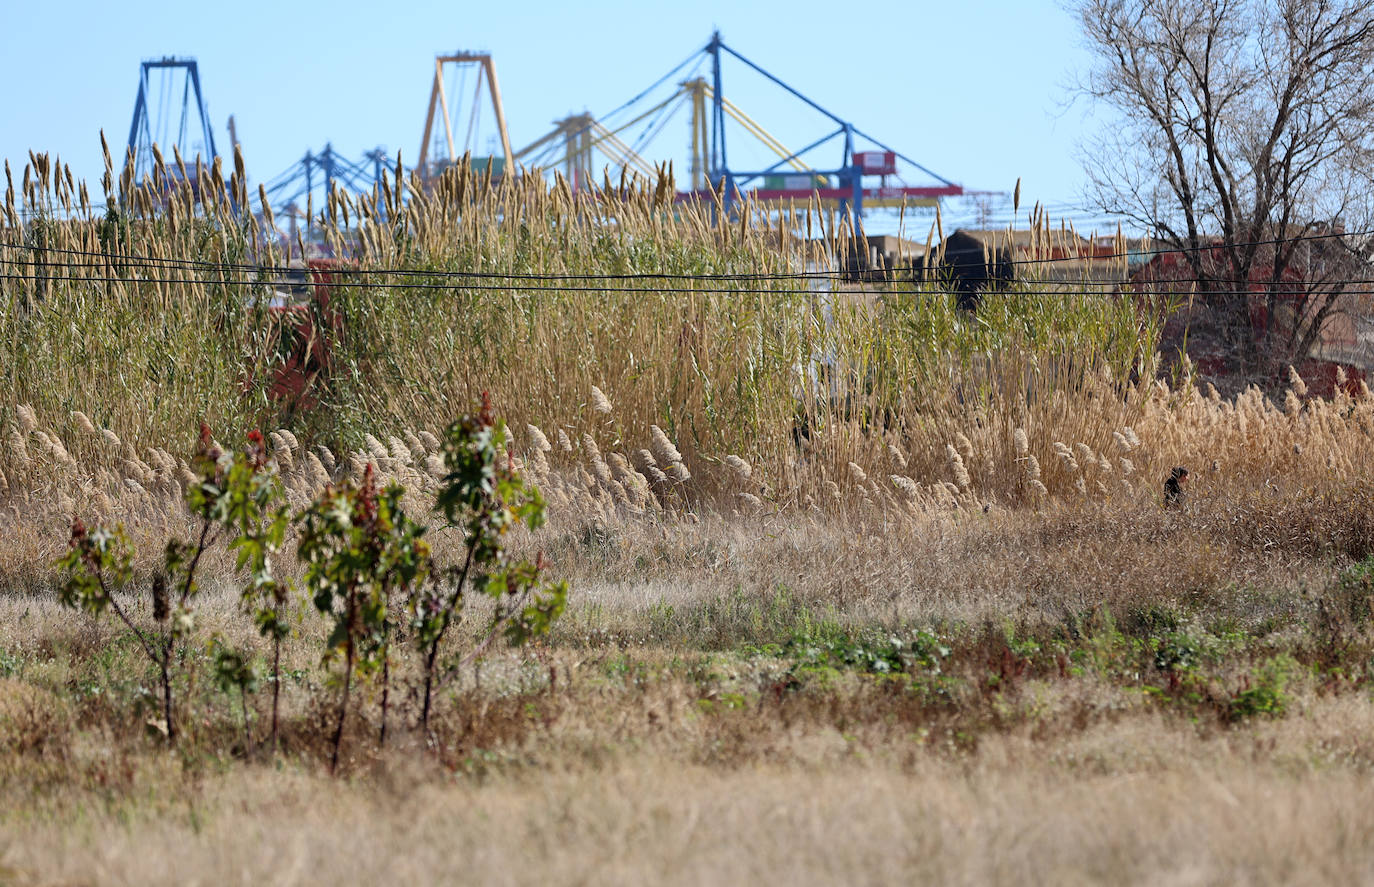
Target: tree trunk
165, 665
429, 685
386, 692
343, 706
276, 687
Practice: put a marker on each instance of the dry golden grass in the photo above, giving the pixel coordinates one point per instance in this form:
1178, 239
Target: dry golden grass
1140, 802
1246, 457
700, 327
1102, 689
651, 758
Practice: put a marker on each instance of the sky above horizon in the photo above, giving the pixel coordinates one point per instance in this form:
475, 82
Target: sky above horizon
975, 92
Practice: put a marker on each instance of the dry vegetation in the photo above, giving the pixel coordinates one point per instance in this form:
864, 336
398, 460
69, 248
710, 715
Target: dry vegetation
860, 592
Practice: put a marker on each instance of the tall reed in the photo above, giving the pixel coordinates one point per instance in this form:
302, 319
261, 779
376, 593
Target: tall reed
156, 315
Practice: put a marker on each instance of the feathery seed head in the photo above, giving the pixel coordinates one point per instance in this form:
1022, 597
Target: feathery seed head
416, 447
400, 453
537, 439
1020, 442
377, 451
27, 420
907, 486
290, 439
314, 470
1295, 382
590, 448
662, 447
1292, 404
83, 422
600, 403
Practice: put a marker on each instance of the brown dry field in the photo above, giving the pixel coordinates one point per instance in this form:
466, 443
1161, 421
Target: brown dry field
1033, 672
674, 729
900, 601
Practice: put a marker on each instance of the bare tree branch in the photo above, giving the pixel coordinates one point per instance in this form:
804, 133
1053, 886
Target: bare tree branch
1245, 126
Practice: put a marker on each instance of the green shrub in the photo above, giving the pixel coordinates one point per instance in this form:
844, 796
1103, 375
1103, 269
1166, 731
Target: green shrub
1264, 691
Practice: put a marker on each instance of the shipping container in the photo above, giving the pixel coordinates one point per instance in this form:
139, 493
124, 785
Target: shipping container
793, 182
876, 163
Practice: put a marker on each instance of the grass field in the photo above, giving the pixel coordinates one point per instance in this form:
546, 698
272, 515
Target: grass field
859, 592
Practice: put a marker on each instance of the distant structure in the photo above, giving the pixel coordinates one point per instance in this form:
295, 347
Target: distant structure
971, 267
318, 173
465, 117
1278, 312
442, 146
302, 190
867, 173
170, 112
572, 148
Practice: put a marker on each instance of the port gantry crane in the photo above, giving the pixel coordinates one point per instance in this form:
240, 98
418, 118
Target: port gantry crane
299, 182
850, 184
848, 188
862, 179
577, 137
163, 115
438, 154
453, 118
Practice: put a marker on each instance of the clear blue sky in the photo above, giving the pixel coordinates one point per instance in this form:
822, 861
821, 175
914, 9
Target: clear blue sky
973, 90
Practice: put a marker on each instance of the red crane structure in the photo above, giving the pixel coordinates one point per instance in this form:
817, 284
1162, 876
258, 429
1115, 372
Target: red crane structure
868, 178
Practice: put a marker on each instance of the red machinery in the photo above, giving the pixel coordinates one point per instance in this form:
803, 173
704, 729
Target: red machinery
307, 329
1195, 326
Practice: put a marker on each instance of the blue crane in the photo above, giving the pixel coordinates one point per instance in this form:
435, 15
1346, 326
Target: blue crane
164, 112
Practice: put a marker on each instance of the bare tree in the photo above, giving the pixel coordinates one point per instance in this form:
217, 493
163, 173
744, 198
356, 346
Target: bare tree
1245, 141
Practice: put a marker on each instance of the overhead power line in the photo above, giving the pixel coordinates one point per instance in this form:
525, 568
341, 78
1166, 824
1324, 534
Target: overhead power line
1062, 287
842, 274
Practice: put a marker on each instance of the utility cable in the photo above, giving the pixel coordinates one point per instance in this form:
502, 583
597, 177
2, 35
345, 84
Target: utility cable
150, 261
551, 283
527, 288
